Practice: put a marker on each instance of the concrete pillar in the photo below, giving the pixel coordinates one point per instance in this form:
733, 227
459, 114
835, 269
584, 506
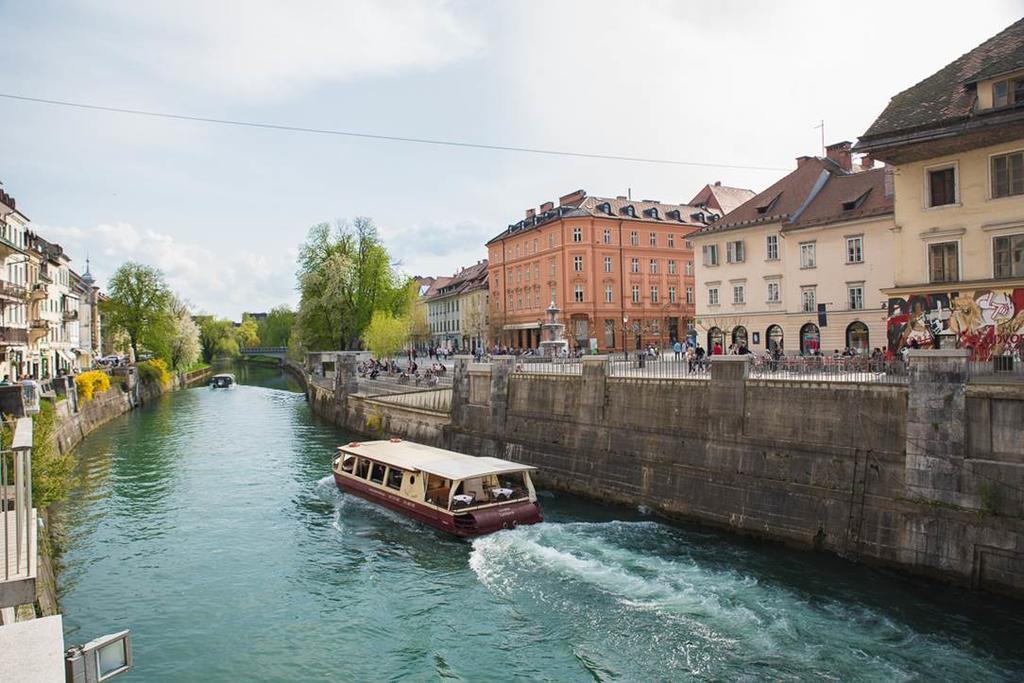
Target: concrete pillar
727, 394
346, 375
592, 399
460, 388
936, 419
501, 366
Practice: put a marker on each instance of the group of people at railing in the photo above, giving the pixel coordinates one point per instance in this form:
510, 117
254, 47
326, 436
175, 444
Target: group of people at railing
411, 373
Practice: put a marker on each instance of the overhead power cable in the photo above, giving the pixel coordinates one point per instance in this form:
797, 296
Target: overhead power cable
374, 136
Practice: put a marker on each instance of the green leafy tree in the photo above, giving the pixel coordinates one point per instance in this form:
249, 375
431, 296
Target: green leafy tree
217, 338
247, 334
345, 275
386, 334
185, 345
139, 305
276, 329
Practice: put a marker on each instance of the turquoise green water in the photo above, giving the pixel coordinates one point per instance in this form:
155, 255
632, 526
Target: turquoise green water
208, 524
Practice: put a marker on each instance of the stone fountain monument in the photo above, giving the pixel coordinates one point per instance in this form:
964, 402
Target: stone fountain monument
552, 344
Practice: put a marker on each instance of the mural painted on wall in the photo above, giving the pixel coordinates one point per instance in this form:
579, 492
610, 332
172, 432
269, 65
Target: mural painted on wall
990, 322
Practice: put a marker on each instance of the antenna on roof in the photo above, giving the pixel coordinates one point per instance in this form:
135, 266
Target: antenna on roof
629, 193
822, 126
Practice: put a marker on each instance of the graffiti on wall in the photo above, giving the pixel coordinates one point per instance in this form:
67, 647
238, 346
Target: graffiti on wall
990, 322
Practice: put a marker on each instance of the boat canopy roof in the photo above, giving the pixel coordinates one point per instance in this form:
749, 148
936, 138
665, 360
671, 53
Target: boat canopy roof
408, 455
224, 375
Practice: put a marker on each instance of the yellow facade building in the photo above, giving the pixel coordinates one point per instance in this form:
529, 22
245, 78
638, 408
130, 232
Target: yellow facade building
801, 266
956, 141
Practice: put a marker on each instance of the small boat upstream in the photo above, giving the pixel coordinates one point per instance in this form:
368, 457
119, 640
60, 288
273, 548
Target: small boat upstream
222, 381
461, 494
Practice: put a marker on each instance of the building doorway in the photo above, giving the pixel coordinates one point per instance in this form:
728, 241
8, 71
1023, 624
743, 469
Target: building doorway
857, 337
773, 339
739, 336
715, 336
609, 334
810, 339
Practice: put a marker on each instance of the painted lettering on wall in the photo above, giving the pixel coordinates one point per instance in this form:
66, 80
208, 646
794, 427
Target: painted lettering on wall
990, 322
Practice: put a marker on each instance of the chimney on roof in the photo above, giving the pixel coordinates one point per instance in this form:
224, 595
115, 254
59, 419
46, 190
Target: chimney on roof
530, 213
546, 206
621, 196
800, 161
718, 183
841, 153
572, 197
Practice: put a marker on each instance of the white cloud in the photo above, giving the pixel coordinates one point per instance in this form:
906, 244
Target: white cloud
221, 283
269, 49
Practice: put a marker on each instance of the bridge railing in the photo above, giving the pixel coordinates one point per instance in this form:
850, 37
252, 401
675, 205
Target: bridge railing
264, 351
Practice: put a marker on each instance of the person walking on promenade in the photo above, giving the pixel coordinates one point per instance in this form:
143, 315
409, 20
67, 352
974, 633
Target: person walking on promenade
678, 349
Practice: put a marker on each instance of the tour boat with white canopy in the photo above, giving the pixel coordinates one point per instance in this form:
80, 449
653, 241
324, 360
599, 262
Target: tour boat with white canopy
462, 494
224, 380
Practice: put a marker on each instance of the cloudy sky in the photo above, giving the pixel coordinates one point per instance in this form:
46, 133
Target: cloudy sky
222, 209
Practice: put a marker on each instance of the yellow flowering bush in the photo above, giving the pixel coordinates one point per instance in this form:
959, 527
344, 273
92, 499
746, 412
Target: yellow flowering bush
90, 383
153, 371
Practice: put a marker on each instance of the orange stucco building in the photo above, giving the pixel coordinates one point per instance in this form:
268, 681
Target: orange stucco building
617, 268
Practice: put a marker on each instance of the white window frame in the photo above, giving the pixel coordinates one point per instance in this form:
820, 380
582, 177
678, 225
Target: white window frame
672, 295
851, 287
577, 235
607, 264
710, 250
672, 270
777, 286
713, 296
636, 294
813, 291
813, 244
860, 248
959, 259
607, 236
654, 266
768, 244
577, 264
609, 294
634, 264
734, 251
739, 294
577, 294
689, 295
655, 293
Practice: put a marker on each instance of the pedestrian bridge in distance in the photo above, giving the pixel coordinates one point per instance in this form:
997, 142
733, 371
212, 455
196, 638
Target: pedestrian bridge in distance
279, 352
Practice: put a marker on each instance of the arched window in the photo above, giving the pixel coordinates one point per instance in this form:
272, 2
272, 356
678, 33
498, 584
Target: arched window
857, 337
739, 336
715, 336
773, 338
810, 339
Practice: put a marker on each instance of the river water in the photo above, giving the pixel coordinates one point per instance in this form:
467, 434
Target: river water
207, 523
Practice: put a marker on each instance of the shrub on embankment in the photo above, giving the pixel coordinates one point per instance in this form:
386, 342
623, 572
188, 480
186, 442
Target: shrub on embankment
53, 474
91, 383
154, 372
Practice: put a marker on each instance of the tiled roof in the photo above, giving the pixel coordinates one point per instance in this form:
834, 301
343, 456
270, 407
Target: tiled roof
948, 95
812, 194
466, 280
584, 205
863, 192
728, 198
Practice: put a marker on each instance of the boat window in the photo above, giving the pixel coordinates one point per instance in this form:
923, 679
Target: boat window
377, 473
412, 479
348, 463
438, 489
512, 485
395, 478
362, 467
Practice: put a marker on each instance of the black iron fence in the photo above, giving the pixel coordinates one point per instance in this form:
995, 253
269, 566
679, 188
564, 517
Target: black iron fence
830, 369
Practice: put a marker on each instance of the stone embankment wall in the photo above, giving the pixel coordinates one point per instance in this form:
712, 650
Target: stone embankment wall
927, 477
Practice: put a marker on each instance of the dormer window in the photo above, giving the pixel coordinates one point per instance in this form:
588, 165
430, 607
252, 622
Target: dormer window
765, 208
674, 214
605, 208
629, 211
1010, 91
855, 203
653, 213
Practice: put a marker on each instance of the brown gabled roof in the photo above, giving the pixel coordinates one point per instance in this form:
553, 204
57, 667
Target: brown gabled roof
948, 96
781, 200
466, 280
438, 283
846, 197
580, 204
727, 198
818, 191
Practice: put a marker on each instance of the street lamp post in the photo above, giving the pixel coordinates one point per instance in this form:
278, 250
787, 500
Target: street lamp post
625, 332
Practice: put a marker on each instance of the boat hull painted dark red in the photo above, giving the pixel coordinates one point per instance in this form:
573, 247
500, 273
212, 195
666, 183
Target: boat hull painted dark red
476, 522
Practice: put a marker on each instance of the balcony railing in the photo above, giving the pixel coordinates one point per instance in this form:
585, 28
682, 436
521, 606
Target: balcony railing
18, 579
9, 290
13, 336
44, 274
39, 290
